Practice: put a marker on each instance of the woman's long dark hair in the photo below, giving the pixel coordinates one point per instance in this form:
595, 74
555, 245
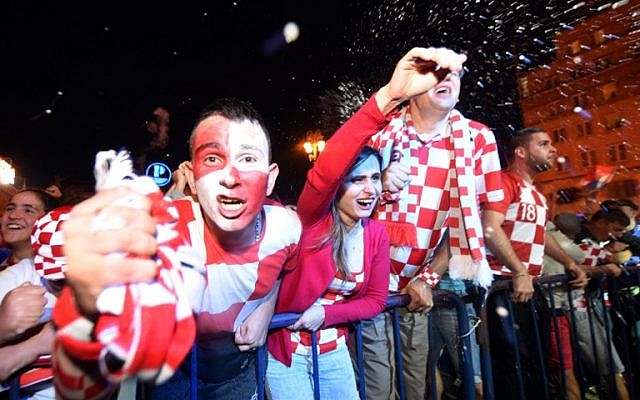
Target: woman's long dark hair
338, 229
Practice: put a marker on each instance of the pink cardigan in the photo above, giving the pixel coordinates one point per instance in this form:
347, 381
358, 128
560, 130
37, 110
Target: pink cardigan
315, 268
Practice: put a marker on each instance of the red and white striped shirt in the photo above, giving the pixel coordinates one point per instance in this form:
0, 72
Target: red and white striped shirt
237, 283
329, 338
525, 217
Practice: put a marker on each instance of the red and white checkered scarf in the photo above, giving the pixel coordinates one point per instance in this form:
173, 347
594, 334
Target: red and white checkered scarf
468, 258
145, 329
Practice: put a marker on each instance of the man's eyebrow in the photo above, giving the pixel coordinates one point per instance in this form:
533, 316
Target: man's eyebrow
211, 145
251, 147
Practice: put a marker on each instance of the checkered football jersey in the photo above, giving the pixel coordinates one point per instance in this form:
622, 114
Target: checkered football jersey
594, 253
237, 283
525, 217
425, 201
329, 338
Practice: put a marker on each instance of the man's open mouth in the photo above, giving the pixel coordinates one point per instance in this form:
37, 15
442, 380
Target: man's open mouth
230, 203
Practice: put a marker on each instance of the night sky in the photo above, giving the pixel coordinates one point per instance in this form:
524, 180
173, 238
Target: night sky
114, 63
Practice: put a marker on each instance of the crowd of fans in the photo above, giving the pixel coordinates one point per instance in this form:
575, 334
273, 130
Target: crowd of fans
408, 196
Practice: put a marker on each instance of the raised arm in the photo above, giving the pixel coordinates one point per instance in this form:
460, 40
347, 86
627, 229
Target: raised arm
333, 164
91, 268
415, 73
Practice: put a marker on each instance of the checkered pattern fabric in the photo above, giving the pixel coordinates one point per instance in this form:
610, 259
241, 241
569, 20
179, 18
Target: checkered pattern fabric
525, 217
329, 338
144, 329
451, 173
431, 278
47, 240
594, 253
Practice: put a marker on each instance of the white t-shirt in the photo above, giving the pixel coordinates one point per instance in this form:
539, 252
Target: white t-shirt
12, 277
17, 274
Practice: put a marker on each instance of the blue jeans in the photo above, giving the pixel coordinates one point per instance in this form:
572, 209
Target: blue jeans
446, 337
337, 380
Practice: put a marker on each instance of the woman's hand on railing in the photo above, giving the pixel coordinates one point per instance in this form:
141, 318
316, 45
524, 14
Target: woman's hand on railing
310, 320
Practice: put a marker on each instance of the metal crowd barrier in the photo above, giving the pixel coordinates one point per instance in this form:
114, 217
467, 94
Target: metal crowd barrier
393, 303
610, 298
613, 296
603, 294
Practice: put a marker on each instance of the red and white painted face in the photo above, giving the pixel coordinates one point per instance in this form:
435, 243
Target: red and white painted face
232, 172
359, 192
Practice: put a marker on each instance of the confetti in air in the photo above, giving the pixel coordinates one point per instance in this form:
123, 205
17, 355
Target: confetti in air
502, 39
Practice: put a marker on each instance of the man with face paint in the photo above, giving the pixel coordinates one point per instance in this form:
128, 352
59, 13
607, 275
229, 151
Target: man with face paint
517, 241
245, 242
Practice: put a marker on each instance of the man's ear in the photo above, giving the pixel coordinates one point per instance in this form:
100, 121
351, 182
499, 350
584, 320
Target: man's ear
271, 179
520, 152
188, 173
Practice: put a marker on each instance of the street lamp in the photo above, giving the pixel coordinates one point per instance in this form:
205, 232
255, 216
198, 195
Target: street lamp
7, 173
314, 145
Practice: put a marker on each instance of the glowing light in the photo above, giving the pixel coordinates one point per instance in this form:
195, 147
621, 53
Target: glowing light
291, 32
308, 147
7, 173
48, 111
562, 160
314, 145
577, 109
